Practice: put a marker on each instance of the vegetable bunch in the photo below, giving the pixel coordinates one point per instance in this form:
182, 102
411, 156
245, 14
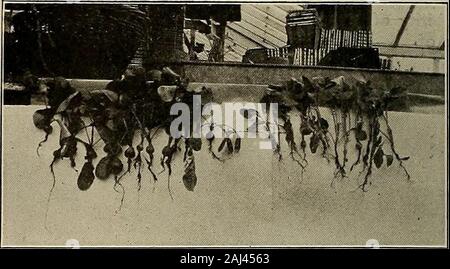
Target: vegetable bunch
357, 112
138, 105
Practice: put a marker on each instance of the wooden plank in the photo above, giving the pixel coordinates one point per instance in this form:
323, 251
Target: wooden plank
263, 9
265, 17
273, 11
335, 39
231, 42
410, 52
302, 62
261, 25
349, 38
241, 39
404, 24
344, 39
287, 8
327, 32
231, 56
245, 33
306, 59
416, 82
309, 57
257, 35
316, 56
353, 39
238, 49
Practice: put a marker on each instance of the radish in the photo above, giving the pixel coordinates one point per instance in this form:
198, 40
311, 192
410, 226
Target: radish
115, 166
86, 176
102, 170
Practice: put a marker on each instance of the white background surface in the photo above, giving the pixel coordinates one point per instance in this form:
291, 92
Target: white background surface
250, 200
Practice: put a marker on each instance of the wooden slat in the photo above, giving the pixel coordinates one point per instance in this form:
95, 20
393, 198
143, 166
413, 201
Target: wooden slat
231, 56
288, 8
236, 47
264, 17
404, 24
269, 30
274, 11
243, 41
264, 9
257, 35
248, 35
410, 52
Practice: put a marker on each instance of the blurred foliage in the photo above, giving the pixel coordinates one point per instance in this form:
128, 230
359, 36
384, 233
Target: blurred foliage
79, 41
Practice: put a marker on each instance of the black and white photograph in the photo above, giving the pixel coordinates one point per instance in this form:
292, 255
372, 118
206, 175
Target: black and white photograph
294, 124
